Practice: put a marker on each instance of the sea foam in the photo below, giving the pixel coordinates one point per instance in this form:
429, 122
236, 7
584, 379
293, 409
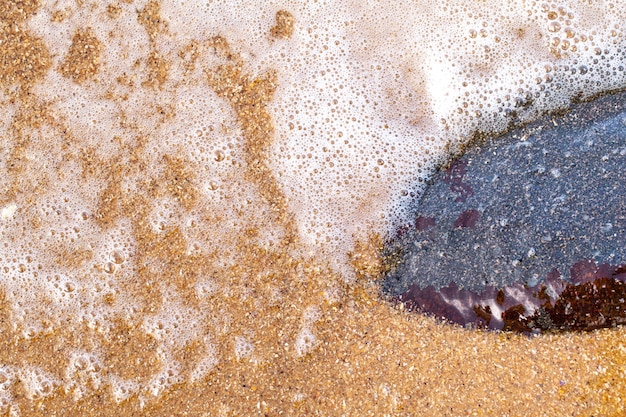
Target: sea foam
132, 180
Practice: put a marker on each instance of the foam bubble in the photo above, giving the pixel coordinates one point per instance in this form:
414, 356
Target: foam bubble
8, 377
6, 400
305, 342
37, 383
175, 324
8, 211
243, 348
168, 376
384, 99
122, 389
83, 374
206, 363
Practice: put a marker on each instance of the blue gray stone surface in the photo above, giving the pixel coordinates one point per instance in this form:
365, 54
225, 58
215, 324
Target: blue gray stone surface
541, 207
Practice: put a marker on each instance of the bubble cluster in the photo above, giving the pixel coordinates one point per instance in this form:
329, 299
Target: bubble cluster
84, 373
385, 93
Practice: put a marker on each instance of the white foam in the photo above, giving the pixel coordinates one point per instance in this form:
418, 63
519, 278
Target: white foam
122, 389
83, 374
169, 375
206, 364
243, 348
400, 87
205, 288
8, 211
6, 400
37, 383
305, 342
370, 97
8, 377
175, 324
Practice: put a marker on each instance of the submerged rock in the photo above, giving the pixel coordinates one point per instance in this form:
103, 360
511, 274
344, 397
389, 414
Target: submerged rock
524, 232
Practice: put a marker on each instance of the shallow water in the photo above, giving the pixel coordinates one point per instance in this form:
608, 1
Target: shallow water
194, 199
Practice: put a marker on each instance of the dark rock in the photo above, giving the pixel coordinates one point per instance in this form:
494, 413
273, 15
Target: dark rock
524, 232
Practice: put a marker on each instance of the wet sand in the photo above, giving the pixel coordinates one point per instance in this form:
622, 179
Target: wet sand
371, 360
288, 336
